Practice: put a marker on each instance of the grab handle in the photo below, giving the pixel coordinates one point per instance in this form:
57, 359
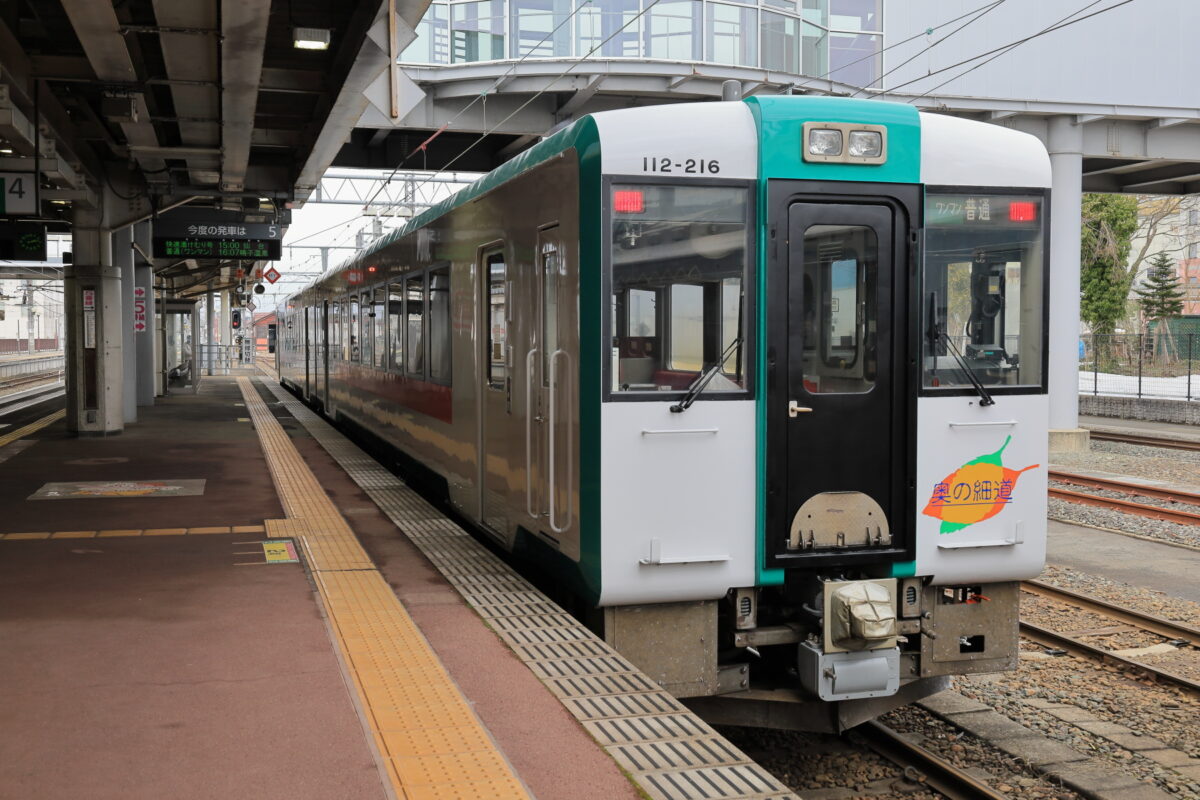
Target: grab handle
553, 423
529, 362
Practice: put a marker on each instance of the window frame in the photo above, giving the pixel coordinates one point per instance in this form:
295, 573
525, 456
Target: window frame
967, 390
420, 374
749, 289
500, 248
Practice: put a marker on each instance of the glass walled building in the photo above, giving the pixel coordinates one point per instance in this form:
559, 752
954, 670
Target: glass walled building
836, 39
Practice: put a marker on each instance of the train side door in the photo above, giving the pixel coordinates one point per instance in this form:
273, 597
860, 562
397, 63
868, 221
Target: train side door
550, 430
498, 465
837, 434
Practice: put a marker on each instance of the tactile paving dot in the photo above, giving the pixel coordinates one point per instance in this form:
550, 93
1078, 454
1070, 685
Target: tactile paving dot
402, 685
670, 752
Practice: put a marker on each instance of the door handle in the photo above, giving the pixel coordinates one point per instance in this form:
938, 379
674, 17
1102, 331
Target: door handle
795, 409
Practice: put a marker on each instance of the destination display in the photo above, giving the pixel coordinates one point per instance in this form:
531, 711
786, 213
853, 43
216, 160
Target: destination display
1004, 210
22, 241
204, 247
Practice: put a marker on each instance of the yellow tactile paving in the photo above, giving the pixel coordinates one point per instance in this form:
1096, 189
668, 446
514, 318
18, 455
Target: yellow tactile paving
127, 532
15, 537
73, 535
32, 427
432, 744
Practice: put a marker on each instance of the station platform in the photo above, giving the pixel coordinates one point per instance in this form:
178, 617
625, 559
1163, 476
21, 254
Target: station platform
230, 599
1141, 427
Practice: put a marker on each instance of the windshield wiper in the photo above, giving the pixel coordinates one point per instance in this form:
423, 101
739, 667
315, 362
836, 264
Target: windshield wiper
703, 378
936, 333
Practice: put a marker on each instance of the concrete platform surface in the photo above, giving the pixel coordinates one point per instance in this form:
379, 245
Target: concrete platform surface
1139, 562
1143, 427
157, 667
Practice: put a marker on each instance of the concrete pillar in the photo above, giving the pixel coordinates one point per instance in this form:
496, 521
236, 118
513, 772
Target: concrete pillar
209, 324
92, 302
146, 341
122, 248
1065, 143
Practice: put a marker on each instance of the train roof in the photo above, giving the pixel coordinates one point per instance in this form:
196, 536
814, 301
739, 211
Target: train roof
759, 138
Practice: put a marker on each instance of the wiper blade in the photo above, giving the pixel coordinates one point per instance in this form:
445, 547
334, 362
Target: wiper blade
703, 379
936, 332
985, 399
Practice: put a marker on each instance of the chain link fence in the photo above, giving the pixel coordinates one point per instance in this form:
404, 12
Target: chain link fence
1162, 365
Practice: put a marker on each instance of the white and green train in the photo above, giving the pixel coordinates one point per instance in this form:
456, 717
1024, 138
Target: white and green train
761, 384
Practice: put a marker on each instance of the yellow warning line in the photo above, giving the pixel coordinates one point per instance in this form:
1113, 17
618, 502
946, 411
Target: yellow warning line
432, 744
107, 534
32, 427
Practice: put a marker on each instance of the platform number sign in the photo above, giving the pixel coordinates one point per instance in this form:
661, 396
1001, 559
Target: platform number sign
18, 193
139, 309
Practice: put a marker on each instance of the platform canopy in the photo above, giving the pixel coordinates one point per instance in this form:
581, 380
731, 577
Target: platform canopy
235, 107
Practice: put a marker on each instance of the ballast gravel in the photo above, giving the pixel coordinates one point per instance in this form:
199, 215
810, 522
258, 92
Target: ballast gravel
1079, 514
1141, 461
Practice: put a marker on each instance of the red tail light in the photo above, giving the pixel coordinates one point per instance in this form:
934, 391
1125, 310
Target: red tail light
1022, 211
629, 201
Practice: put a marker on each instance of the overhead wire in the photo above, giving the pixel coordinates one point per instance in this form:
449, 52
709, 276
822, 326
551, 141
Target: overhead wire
541, 91
997, 51
985, 11
902, 42
481, 96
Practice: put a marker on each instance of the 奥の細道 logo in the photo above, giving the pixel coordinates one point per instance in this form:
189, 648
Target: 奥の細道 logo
978, 490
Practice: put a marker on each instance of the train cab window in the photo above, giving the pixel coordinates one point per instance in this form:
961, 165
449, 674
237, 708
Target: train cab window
439, 325
840, 286
414, 309
395, 326
679, 260
983, 292
379, 328
497, 312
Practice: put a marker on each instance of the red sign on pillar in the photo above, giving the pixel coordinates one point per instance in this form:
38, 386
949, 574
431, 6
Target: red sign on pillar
139, 309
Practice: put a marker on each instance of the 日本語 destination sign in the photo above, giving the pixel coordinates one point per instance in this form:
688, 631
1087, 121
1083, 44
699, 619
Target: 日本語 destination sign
175, 238
198, 247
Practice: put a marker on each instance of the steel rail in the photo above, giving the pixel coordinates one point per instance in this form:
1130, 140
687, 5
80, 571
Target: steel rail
938, 773
1147, 622
1148, 441
1126, 487
1061, 641
23, 380
1140, 509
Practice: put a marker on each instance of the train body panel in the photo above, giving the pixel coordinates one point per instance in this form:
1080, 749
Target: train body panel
670, 540
728, 367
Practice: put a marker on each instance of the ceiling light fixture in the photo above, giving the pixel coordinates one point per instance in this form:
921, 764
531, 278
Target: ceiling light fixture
310, 38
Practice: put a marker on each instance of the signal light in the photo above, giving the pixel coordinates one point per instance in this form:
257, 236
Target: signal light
629, 201
236, 320
1022, 211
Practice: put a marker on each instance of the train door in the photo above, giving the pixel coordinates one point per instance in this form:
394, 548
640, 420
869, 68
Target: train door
837, 434
549, 394
497, 464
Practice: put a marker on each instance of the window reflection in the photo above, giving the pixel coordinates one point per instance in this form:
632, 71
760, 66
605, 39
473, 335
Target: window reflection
840, 39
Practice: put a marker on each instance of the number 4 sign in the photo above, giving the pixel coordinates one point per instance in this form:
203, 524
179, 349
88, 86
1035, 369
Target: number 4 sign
18, 193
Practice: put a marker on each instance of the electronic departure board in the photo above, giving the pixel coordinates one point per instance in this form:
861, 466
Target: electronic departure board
201, 247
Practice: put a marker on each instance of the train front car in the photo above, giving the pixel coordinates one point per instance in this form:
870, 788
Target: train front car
823, 415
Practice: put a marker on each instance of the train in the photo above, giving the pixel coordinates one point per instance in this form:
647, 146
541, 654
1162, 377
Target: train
762, 385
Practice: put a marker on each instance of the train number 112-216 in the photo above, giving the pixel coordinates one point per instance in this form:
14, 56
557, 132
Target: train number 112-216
687, 166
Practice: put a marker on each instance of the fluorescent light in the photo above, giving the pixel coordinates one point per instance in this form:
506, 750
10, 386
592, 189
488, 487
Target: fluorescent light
310, 38
8, 151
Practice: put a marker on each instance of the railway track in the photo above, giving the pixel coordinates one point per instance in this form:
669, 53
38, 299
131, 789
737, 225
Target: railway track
1148, 441
922, 766
1179, 515
19, 381
1175, 631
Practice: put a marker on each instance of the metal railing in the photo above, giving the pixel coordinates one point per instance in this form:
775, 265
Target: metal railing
1165, 365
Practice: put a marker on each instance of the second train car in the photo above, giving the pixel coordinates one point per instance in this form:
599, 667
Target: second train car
762, 382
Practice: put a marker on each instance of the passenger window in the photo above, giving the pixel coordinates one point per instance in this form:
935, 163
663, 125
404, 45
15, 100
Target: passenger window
439, 325
395, 325
840, 279
379, 327
352, 341
415, 312
679, 254
367, 337
551, 269
497, 273
333, 321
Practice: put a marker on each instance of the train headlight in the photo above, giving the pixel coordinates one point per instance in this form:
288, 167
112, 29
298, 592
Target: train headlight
824, 142
866, 144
